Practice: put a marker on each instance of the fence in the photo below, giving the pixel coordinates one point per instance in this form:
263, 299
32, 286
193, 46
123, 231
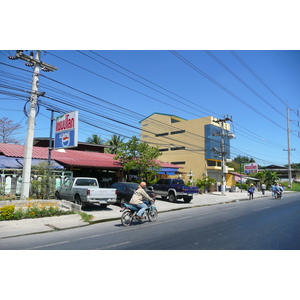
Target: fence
11, 180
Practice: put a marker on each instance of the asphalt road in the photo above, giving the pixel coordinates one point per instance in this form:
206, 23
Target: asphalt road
262, 224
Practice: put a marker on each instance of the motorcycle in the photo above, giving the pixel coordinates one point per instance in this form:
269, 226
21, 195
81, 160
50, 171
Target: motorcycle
130, 213
278, 195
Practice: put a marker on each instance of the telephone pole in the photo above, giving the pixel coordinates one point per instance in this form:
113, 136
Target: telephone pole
289, 144
38, 65
229, 135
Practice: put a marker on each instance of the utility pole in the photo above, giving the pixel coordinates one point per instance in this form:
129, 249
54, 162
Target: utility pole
38, 65
49, 153
223, 152
289, 145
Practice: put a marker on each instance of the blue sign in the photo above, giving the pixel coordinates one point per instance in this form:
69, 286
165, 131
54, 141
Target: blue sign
65, 139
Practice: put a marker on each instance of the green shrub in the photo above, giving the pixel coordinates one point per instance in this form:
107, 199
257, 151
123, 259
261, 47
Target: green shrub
18, 214
31, 211
6, 212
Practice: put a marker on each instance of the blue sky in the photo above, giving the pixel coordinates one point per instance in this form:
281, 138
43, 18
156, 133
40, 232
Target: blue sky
254, 87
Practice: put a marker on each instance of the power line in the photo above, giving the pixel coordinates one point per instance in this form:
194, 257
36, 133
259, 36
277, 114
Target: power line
243, 82
222, 87
133, 112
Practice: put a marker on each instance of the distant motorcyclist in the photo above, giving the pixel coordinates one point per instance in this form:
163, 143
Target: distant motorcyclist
138, 197
278, 189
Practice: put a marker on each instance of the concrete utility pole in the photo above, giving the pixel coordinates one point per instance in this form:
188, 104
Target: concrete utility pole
223, 152
289, 145
38, 65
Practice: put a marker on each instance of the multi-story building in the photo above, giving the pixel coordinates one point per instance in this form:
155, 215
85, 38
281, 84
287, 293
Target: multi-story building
195, 145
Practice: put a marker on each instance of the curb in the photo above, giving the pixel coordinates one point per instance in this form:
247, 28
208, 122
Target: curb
50, 224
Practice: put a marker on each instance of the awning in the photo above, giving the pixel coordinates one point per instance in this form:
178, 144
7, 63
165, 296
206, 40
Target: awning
18, 162
168, 171
9, 163
251, 178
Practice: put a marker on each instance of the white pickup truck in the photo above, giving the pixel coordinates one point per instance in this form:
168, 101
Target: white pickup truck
83, 190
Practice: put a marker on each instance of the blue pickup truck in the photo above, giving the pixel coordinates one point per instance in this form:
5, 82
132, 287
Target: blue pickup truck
174, 189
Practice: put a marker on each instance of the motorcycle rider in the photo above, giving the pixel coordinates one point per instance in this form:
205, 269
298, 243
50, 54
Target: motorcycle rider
137, 199
279, 189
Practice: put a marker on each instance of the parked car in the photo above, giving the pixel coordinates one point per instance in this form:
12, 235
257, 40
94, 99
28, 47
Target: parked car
174, 189
125, 191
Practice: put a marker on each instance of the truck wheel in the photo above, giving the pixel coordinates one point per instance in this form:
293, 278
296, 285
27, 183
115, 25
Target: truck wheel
172, 198
187, 200
57, 197
78, 201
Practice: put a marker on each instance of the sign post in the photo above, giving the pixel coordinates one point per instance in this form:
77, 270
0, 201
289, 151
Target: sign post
251, 168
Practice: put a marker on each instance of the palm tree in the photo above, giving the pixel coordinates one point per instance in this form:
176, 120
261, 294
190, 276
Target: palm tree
115, 142
95, 139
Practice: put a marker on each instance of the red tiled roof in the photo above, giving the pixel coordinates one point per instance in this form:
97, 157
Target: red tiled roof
70, 157
168, 165
65, 156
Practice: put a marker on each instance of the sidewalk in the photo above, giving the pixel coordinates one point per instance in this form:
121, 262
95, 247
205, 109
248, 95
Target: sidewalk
112, 212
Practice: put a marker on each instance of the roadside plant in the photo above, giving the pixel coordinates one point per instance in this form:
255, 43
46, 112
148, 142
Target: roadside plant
6, 212
31, 210
267, 177
42, 184
205, 184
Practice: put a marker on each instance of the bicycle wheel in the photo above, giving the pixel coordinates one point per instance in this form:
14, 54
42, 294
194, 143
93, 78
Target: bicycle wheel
126, 218
153, 215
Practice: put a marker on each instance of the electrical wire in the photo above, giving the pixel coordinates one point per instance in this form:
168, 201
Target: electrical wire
126, 124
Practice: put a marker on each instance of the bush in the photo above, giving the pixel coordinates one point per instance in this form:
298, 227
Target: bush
243, 186
206, 183
31, 211
6, 212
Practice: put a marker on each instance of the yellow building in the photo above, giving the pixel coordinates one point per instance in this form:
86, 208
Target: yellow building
194, 144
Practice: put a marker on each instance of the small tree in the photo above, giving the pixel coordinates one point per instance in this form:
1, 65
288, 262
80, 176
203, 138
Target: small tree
267, 177
42, 182
139, 156
7, 129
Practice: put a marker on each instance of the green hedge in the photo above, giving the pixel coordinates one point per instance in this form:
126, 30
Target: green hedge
9, 212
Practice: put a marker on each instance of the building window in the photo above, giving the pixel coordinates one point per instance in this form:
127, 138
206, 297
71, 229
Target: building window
164, 149
162, 134
178, 131
178, 148
178, 162
211, 163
